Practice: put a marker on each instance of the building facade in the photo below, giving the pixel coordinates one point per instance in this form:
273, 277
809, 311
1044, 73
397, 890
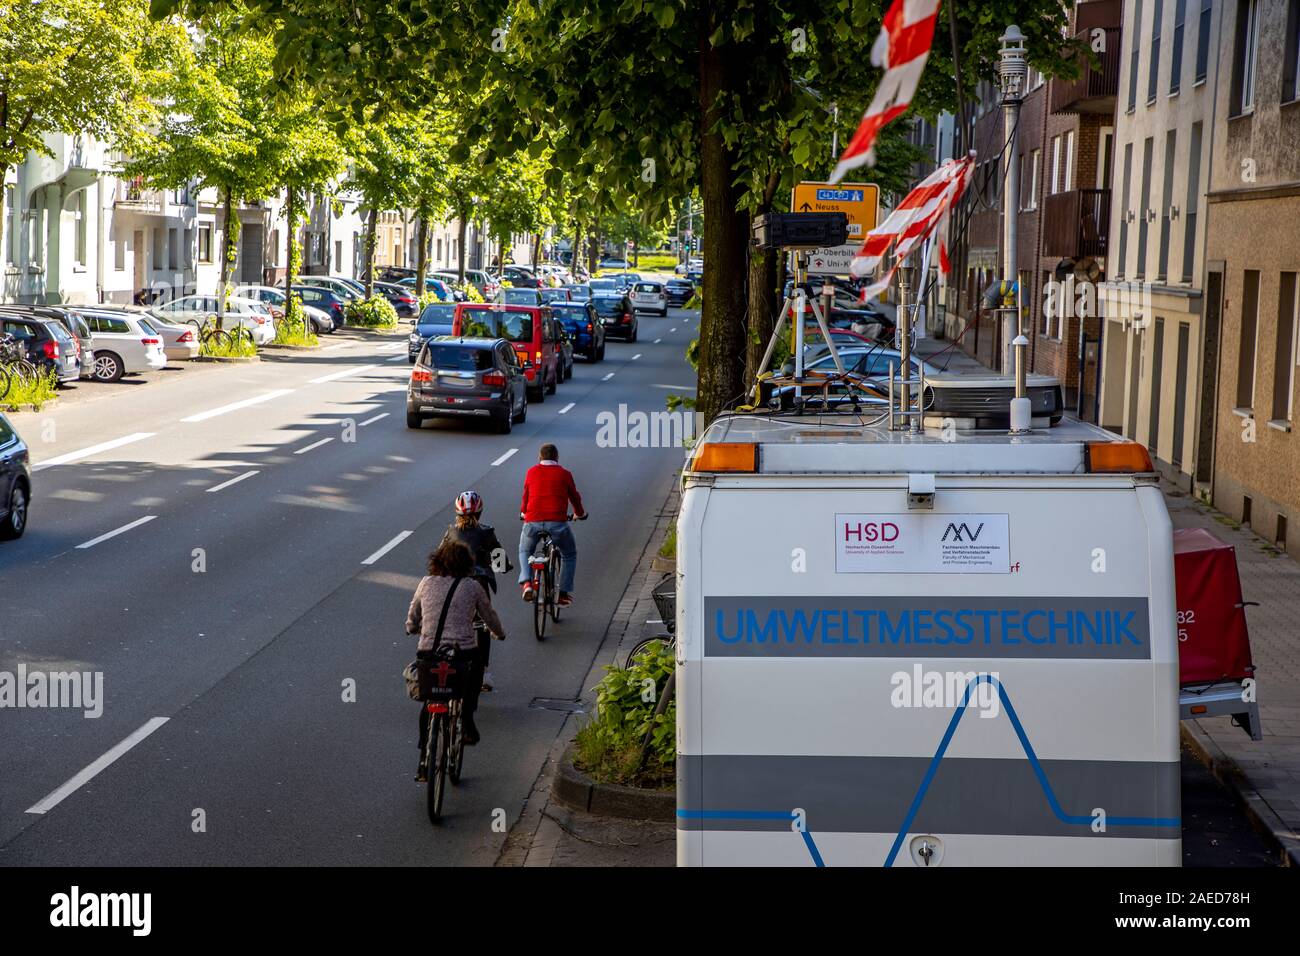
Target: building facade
1252, 264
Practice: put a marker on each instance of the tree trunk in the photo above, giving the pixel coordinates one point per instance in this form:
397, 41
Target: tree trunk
290, 266
576, 249
593, 255
462, 226
763, 305
421, 255
537, 249
726, 240
230, 248
371, 227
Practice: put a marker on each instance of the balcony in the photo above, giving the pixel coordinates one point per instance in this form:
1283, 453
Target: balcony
132, 194
1098, 85
1076, 224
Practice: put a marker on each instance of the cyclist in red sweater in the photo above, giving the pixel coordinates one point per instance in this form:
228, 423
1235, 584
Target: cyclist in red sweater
548, 492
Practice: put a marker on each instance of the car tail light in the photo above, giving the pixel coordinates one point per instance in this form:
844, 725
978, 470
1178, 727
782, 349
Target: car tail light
539, 358
627, 317
151, 341
588, 326
51, 349
523, 358
185, 338
277, 313
494, 378
405, 299
260, 319
421, 375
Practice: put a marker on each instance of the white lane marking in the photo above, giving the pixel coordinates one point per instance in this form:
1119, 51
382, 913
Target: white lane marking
657, 341
235, 406
371, 421
92, 450
608, 376
334, 376
388, 547
315, 444
100, 764
566, 408
682, 388
673, 329
233, 481
504, 457
399, 358
113, 534
635, 357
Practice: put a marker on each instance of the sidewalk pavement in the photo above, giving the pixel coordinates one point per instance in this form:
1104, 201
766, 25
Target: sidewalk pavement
548, 834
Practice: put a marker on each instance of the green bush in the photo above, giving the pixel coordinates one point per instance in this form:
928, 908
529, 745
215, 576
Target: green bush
426, 298
34, 392
608, 746
237, 347
376, 313
288, 332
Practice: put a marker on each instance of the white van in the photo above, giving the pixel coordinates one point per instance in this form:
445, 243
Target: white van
949, 648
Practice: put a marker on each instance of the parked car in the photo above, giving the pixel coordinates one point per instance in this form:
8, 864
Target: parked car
486, 284
438, 318
467, 378
346, 289
692, 264
196, 310
48, 344
678, 292
520, 277
584, 328
565, 346
15, 482
616, 314
76, 326
524, 327
321, 321
511, 295
180, 342
442, 290
579, 293
126, 343
559, 294
402, 298
333, 304
649, 296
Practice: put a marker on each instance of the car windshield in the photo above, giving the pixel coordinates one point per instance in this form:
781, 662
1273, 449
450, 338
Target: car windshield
459, 358
569, 313
602, 284
491, 324
437, 314
646, 287
520, 296
608, 304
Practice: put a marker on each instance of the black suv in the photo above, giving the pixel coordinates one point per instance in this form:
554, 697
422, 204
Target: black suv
467, 378
48, 344
15, 482
72, 320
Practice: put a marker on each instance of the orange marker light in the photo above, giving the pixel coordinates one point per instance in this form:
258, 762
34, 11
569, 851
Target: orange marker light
726, 456
1117, 457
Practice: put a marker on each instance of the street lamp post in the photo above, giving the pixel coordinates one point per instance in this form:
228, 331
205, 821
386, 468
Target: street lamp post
1013, 71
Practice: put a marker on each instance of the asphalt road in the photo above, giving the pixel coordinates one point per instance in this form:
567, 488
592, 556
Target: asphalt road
235, 610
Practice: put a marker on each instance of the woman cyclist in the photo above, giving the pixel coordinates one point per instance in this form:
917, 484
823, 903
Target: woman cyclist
442, 612
481, 540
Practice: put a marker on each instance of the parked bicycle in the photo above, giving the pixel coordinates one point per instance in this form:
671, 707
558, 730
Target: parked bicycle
665, 598
211, 333
14, 365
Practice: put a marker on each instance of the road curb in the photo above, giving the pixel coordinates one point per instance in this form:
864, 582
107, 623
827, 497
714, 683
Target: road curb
1225, 770
227, 359
572, 788
29, 407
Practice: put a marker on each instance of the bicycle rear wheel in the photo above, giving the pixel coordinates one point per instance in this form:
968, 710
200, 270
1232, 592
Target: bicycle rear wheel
216, 338
5, 381
540, 589
241, 334
643, 644
439, 744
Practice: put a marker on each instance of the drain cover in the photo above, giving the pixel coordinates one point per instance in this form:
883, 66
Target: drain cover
562, 704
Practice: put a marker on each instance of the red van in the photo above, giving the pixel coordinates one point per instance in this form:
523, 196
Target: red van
530, 329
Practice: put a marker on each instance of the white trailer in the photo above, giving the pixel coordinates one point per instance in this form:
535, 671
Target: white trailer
944, 648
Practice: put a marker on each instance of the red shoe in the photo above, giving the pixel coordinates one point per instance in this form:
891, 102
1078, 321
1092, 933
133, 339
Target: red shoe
529, 593
565, 599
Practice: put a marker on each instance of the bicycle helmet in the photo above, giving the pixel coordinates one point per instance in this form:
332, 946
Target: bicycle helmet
469, 503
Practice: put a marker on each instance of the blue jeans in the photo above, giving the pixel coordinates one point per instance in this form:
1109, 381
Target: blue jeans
562, 535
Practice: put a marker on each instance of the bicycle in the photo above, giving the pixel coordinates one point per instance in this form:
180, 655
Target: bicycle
444, 748
211, 333
665, 598
545, 565
14, 365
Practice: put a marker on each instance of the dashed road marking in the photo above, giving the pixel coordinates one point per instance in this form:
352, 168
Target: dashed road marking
113, 534
236, 406
232, 481
315, 444
504, 457
388, 547
100, 764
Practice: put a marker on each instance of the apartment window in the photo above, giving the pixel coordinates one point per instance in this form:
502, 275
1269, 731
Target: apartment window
1285, 355
1203, 41
79, 234
1153, 73
1245, 53
11, 225
1246, 351
1124, 209
205, 242
1291, 60
1105, 150
1193, 202
119, 249
1157, 369
338, 255
273, 249
1035, 161
173, 249
1167, 201
1056, 165
159, 248
1134, 33
1180, 393
1176, 48
1143, 208
1068, 178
